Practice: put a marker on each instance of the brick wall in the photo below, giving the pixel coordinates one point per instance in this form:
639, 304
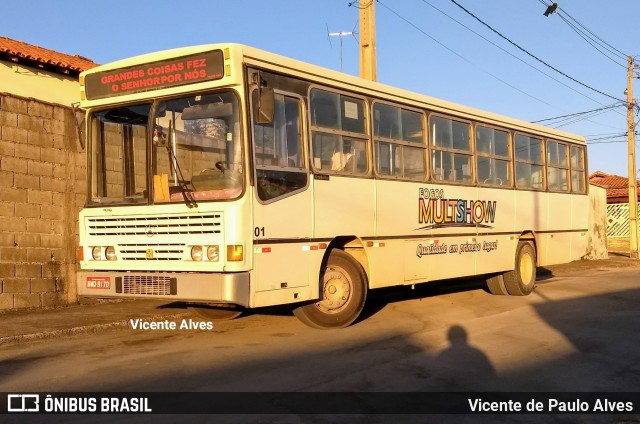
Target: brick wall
42, 188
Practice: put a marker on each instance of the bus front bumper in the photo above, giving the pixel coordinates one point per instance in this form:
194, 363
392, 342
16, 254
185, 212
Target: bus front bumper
184, 287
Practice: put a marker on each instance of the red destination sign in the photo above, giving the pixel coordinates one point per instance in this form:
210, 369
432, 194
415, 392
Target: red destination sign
99, 283
190, 69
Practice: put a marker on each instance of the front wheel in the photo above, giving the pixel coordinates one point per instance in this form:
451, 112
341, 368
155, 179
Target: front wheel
344, 291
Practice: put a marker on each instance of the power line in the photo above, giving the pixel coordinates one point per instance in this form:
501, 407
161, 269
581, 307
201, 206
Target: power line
579, 113
564, 120
603, 135
569, 121
585, 38
531, 54
586, 32
459, 55
606, 142
578, 117
590, 37
511, 54
514, 56
610, 137
622, 54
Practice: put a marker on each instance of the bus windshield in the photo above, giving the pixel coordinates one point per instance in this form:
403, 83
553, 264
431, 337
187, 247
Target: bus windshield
194, 144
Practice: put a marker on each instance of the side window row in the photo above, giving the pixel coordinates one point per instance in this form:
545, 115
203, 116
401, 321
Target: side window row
340, 140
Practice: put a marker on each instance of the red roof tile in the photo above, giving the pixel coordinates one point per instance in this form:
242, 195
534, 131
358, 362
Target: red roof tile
608, 180
43, 56
617, 186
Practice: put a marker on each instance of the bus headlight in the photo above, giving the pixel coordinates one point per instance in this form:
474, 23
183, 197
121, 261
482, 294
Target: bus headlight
235, 253
196, 253
213, 253
110, 253
96, 253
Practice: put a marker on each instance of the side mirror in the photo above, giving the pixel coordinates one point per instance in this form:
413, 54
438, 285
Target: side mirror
266, 105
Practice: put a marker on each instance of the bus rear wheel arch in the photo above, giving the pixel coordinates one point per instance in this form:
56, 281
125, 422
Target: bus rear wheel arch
522, 280
343, 293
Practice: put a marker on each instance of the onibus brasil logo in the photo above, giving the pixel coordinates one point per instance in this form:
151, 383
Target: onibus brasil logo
436, 211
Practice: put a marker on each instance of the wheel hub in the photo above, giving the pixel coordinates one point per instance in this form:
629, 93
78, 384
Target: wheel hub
337, 290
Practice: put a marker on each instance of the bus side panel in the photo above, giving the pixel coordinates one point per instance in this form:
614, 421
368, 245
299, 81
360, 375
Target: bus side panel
385, 260
531, 214
343, 206
282, 252
451, 259
396, 214
580, 223
558, 229
497, 251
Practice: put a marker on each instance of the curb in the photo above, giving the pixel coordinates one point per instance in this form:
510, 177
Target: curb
84, 329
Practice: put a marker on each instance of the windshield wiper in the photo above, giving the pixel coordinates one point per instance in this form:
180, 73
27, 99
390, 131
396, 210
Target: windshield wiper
187, 194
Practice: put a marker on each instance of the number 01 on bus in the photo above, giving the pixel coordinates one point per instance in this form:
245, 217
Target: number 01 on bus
229, 178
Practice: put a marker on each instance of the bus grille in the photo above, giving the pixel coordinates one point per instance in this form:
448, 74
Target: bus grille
151, 252
146, 284
155, 225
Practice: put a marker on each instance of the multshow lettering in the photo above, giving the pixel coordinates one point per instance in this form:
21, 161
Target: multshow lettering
435, 211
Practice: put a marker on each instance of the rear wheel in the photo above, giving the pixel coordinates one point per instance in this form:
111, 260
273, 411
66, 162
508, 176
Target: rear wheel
220, 312
522, 280
344, 290
496, 286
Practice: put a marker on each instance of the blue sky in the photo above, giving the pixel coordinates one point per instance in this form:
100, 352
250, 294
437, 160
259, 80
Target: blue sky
420, 47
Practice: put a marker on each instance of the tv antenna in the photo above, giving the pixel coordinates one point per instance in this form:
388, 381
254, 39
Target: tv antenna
340, 34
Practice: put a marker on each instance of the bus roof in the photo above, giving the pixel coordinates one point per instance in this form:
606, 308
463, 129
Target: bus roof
276, 63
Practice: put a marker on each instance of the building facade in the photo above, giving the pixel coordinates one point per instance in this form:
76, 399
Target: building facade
42, 167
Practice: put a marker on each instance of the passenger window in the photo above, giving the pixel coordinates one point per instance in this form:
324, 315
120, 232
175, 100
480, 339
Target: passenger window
339, 137
557, 166
279, 156
529, 169
493, 157
451, 151
577, 170
399, 142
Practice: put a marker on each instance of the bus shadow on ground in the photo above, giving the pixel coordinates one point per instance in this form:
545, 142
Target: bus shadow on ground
378, 299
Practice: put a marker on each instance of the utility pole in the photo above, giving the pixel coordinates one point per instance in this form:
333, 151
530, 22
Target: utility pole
633, 184
367, 40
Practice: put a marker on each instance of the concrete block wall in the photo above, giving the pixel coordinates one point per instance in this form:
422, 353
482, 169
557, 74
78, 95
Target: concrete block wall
42, 188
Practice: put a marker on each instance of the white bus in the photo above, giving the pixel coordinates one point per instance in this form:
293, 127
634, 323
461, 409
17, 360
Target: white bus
228, 178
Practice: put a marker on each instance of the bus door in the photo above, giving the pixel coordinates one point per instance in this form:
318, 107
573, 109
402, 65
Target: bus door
283, 206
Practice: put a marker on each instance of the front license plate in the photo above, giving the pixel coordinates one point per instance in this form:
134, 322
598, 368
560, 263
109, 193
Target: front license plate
99, 283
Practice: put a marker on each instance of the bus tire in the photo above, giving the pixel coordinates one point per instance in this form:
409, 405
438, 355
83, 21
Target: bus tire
522, 280
344, 291
496, 286
216, 313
